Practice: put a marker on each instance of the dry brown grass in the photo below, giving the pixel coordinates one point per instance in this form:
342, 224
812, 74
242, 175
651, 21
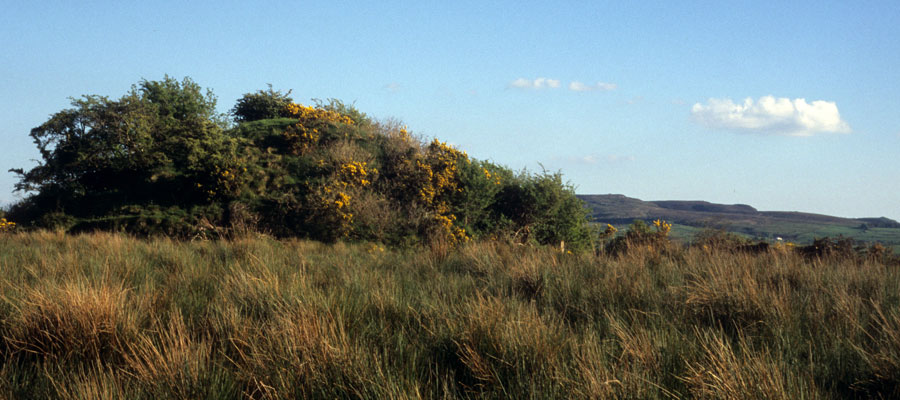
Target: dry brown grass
75, 322
728, 373
167, 355
107, 316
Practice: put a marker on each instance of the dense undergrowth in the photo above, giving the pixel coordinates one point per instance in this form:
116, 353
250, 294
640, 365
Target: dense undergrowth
109, 316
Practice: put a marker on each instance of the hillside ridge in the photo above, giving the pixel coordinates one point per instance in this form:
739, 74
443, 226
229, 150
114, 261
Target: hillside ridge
619, 209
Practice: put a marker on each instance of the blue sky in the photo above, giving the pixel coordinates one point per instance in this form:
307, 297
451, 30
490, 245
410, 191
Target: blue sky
780, 105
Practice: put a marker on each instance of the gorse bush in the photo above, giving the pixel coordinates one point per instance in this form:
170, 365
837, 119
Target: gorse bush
160, 160
639, 235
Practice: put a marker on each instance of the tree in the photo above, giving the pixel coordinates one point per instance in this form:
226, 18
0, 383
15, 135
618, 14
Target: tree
96, 145
151, 146
540, 207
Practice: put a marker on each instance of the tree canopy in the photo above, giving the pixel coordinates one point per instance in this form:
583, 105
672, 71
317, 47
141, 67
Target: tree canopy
161, 160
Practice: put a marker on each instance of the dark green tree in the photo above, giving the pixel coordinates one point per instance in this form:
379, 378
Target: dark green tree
544, 209
157, 145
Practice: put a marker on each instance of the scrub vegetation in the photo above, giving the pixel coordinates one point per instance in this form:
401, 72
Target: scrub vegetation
160, 160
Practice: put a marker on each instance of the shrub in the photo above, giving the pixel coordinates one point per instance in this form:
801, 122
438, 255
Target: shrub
639, 234
719, 239
542, 209
840, 247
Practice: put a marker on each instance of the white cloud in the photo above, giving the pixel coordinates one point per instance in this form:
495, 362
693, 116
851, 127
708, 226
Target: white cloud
539, 83
770, 115
521, 83
599, 86
392, 87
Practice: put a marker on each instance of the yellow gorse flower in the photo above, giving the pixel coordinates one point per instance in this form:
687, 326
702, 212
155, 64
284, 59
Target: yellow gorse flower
305, 134
489, 175
609, 232
343, 200
312, 113
662, 227
333, 200
355, 173
6, 225
434, 178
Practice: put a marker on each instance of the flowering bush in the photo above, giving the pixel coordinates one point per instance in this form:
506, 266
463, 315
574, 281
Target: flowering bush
312, 124
662, 228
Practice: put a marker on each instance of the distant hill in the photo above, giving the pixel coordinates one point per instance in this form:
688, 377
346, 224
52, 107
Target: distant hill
800, 227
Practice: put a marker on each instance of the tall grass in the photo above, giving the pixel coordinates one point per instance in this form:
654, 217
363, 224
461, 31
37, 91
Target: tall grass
108, 316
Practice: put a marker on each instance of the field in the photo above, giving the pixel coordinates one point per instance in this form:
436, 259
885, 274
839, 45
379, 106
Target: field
110, 316
890, 237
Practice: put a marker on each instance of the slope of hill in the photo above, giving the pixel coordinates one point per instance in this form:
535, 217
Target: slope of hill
800, 227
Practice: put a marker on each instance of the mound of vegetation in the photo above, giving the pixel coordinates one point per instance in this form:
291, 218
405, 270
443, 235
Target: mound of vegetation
161, 160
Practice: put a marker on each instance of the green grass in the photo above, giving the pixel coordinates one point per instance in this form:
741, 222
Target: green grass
109, 316
806, 233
